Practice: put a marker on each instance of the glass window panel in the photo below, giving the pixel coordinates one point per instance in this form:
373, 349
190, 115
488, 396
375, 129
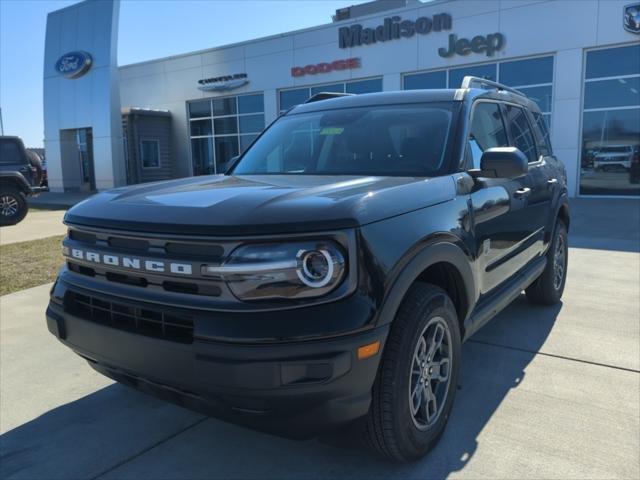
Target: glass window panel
224, 106
426, 80
150, 153
200, 128
336, 87
226, 148
610, 156
225, 125
290, 98
487, 131
613, 61
540, 95
250, 103
544, 140
200, 109
621, 92
251, 123
527, 72
10, 153
483, 71
365, 86
246, 140
202, 156
521, 132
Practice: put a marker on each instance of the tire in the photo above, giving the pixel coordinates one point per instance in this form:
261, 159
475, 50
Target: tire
391, 427
13, 206
548, 287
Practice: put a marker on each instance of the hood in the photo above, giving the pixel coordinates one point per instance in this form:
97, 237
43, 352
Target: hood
258, 204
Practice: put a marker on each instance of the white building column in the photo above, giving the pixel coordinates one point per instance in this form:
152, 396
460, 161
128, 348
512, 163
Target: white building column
270, 106
567, 114
391, 82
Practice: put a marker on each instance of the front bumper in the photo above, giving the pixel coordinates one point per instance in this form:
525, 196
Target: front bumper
293, 388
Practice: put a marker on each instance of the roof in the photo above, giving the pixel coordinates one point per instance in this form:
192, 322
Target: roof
414, 96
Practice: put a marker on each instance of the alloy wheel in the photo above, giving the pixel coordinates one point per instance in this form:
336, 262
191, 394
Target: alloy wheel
8, 205
430, 373
559, 262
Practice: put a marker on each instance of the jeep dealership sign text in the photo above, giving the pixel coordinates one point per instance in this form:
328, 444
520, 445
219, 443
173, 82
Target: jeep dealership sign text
478, 44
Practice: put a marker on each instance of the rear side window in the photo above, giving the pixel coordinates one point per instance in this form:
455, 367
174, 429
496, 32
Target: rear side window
544, 140
487, 130
521, 132
10, 153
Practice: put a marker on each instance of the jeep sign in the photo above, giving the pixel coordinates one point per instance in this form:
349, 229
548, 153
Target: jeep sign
478, 44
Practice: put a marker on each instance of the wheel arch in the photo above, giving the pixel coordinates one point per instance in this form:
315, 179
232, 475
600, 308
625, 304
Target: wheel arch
14, 180
443, 264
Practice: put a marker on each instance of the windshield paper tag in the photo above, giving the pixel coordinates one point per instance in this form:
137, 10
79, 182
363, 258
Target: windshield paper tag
331, 131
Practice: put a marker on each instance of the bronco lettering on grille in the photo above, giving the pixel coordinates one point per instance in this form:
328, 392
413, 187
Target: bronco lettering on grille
157, 266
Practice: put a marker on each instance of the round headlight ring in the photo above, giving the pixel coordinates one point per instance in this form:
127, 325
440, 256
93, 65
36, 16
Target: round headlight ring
305, 267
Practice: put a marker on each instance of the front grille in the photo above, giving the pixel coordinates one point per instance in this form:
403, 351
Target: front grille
142, 321
185, 250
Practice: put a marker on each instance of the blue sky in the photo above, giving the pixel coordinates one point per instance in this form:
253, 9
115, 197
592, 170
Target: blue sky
148, 29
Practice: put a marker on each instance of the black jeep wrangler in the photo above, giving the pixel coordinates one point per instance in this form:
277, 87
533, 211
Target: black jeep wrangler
20, 177
331, 275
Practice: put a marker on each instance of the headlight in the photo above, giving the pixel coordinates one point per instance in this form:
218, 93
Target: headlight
282, 270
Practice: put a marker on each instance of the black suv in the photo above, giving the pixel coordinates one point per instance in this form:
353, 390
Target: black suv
20, 177
332, 273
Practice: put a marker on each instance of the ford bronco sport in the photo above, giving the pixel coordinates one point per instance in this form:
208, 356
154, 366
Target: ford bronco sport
330, 276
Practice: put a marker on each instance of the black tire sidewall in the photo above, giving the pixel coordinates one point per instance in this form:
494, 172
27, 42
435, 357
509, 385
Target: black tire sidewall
22, 207
413, 441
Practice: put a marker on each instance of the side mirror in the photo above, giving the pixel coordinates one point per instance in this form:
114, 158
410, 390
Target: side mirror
503, 162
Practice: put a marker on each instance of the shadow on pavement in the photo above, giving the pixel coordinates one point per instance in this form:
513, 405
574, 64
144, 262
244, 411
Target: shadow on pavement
123, 434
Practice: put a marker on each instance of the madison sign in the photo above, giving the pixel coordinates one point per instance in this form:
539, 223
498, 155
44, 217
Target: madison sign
74, 64
325, 67
225, 82
392, 28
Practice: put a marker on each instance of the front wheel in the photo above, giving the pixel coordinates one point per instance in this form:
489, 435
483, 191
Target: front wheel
13, 206
417, 379
548, 287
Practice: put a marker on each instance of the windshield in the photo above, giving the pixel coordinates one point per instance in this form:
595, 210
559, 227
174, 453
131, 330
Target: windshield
387, 140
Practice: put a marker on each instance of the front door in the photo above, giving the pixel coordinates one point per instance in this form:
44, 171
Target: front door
506, 226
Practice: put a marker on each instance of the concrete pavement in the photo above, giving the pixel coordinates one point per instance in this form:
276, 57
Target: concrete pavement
545, 392
38, 224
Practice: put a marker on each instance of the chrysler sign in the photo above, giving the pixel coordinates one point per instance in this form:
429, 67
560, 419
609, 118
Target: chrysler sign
225, 82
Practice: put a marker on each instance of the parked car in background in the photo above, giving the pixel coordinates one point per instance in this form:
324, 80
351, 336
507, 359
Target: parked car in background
20, 177
613, 156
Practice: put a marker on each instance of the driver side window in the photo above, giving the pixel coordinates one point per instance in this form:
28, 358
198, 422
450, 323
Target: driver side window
487, 131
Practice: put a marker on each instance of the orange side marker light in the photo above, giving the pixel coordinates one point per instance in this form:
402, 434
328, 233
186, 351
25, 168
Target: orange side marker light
370, 350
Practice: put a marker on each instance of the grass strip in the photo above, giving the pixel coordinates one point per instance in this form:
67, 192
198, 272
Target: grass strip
29, 264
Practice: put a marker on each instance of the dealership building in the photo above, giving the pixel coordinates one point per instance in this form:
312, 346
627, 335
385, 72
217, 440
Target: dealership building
108, 125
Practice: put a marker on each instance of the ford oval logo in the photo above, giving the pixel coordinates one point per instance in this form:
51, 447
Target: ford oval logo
74, 64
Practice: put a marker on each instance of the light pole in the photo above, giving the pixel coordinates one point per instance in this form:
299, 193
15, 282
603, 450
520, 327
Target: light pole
1, 124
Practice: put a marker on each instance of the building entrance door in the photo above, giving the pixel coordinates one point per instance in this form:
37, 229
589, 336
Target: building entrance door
84, 144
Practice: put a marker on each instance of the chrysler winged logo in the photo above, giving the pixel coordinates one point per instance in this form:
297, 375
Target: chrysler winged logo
128, 263
631, 19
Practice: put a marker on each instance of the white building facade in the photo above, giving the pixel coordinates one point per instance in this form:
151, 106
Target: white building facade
580, 61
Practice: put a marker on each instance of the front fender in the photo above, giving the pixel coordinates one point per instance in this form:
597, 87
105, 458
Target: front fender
433, 253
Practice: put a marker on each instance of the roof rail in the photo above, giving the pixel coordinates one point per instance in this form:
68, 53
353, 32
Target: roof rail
469, 82
326, 95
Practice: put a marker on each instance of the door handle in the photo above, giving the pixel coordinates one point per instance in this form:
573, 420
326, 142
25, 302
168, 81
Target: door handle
522, 192
552, 181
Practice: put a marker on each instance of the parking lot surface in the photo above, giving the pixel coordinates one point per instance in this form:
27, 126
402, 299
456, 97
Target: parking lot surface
38, 224
545, 392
